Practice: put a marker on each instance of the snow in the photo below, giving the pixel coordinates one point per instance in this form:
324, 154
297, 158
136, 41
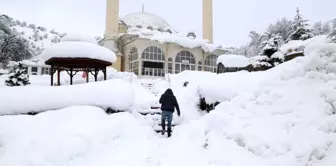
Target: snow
117, 94
233, 60
182, 40
283, 116
75, 49
79, 37
298, 46
145, 19
3, 71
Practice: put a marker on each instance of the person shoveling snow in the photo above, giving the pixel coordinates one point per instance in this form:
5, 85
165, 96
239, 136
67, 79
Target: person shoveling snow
168, 104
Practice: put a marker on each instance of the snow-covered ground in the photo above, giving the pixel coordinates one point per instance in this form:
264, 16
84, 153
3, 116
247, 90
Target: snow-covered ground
281, 117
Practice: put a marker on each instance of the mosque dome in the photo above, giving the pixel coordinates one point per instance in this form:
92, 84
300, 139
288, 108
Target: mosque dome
144, 19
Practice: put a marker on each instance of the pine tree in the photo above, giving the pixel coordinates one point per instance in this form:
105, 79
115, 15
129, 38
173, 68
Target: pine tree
300, 28
18, 77
332, 35
268, 49
270, 46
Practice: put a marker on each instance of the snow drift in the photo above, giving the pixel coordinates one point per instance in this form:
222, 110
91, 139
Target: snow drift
116, 94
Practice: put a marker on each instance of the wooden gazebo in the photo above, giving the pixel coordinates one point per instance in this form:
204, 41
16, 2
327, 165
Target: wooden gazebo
74, 65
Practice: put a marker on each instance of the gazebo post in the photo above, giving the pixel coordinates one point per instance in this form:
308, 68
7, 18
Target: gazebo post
87, 74
96, 74
58, 76
71, 76
52, 75
104, 71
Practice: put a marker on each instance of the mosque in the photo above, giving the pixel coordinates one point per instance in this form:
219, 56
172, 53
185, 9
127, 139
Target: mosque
148, 46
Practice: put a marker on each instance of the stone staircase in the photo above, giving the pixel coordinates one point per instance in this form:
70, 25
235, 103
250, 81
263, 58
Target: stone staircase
154, 113
154, 118
150, 88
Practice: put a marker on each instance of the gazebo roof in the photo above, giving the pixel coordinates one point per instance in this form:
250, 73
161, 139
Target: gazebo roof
78, 62
78, 50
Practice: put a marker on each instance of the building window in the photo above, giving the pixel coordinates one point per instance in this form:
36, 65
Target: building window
133, 62
199, 66
221, 68
153, 62
46, 70
210, 63
184, 61
34, 70
170, 65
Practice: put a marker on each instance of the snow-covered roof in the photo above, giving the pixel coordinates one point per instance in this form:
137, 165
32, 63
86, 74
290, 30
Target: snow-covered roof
179, 39
75, 49
145, 19
79, 37
233, 60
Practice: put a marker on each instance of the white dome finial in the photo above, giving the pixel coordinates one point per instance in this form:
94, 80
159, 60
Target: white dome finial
143, 5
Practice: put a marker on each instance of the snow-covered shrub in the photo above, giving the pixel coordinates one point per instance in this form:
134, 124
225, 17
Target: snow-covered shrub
32, 26
24, 24
43, 29
269, 56
18, 77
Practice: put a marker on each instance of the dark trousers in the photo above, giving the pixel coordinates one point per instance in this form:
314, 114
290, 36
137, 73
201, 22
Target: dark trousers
169, 116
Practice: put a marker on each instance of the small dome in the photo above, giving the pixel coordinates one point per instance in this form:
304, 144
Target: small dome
79, 37
191, 35
146, 20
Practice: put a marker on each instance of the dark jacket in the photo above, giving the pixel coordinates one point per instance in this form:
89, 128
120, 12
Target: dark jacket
168, 102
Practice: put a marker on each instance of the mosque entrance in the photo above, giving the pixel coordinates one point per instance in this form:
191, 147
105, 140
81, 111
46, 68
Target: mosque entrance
153, 62
153, 69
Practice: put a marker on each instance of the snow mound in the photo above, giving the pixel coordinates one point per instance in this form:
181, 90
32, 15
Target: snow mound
75, 49
80, 135
321, 57
233, 60
298, 46
116, 94
79, 38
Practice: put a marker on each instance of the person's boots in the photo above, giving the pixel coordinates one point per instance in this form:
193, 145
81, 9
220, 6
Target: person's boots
169, 132
163, 128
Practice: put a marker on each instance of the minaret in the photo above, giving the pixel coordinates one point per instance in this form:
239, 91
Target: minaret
112, 30
112, 18
207, 20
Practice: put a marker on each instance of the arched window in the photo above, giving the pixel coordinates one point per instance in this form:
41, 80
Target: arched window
184, 61
153, 62
170, 65
133, 62
210, 63
199, 66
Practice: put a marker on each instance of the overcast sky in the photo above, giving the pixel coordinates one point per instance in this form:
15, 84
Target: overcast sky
233, 19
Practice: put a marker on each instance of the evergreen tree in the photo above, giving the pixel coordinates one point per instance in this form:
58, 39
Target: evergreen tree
18, 77
332, 34
300, 28
269, 48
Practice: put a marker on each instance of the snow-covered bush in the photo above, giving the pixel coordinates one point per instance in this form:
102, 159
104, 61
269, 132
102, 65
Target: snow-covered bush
32, 26
269, 56
18, 77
